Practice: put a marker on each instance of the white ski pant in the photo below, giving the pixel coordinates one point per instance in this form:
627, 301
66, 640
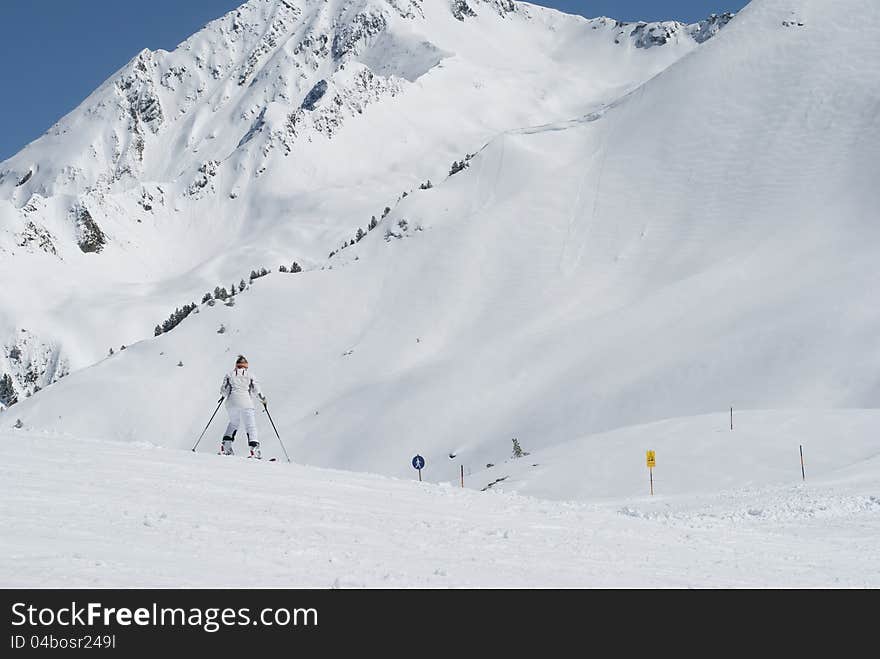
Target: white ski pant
239, 416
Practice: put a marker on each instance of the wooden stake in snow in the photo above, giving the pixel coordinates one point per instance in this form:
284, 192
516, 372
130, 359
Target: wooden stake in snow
731, 418
803, 475
462, 475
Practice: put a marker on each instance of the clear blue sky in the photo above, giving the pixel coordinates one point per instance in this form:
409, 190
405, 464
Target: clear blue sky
53, 53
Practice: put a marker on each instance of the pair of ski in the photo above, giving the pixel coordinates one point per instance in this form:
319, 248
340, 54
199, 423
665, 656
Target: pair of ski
250, 457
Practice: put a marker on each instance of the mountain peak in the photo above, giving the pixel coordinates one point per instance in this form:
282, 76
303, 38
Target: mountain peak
268, 108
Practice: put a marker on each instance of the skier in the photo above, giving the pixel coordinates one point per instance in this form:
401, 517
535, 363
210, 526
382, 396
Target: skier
239, 387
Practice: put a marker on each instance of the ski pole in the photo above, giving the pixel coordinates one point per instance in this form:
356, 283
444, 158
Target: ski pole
219, 403
266, 407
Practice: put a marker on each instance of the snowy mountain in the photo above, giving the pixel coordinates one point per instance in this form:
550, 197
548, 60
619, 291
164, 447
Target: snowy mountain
507, 224
270, 137
703, 239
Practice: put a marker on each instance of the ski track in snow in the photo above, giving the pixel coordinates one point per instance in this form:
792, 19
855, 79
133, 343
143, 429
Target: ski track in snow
101, 514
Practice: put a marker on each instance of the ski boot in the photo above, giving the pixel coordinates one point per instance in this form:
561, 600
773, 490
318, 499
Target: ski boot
227, 446
255, 450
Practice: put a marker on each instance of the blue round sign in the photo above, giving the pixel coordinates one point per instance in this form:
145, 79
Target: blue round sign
418, 462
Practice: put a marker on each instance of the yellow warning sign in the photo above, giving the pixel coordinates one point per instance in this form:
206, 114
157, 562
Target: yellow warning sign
652, 461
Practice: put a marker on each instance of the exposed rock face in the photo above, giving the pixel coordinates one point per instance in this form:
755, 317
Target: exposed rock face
361, 27
315, 95
90, 238
461, 9
708, 28
38, 237
28, 365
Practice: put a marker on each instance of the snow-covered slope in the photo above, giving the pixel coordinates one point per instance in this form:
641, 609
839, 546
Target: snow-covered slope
269, 137
695, 455
100, 514
708, 240
608, 269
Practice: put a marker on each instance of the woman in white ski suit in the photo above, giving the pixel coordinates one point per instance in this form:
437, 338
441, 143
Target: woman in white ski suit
240, 387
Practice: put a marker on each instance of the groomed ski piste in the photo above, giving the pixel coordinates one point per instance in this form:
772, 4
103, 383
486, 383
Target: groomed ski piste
621, 261
730, 510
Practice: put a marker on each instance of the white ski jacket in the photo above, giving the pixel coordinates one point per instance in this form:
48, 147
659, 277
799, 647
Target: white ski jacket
240, 386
